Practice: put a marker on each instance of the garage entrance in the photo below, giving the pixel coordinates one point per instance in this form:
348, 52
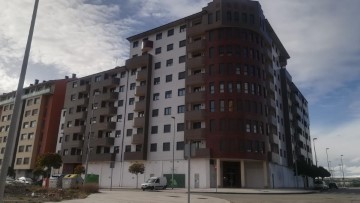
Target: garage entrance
231, 174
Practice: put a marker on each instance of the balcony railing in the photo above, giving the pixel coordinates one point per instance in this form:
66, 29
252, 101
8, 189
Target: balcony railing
140, 106
102, 157
195, 134
109, 96
195, 46
138, 139
142, 75
106, 111
71, 159
139, 122
138, 61
105, 126
195, 79
195, 115
195, 97
105, 141
196, 62
140, 90
133, 156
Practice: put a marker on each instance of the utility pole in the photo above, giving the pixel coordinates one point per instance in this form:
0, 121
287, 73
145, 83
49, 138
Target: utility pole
327, 159
315, 150
15, 121
342, 168
173, 156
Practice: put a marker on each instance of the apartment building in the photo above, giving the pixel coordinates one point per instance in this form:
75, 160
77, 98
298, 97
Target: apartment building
214, 79
41, 107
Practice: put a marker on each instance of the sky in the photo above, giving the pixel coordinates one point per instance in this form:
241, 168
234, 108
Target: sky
88, 36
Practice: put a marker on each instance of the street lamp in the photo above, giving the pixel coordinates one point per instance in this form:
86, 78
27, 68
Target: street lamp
315, 150
342, 168
173, 156
327, 158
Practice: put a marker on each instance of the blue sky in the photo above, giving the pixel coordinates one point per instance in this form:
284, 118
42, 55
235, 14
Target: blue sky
84, 37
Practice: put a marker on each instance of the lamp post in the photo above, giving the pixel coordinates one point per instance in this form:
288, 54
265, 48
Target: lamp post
89, 135
327, 158
315, 150
173, 156
342, 168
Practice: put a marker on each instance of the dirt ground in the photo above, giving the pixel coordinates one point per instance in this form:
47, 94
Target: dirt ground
31, 193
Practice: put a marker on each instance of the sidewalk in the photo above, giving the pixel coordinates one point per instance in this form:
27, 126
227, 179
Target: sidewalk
176, 195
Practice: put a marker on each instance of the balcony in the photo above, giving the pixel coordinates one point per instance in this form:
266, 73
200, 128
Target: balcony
110, 96
195, 97
71, 159
195, 134
133, 156
195, 79
106, 111
140, 106
105, 126
83, 88
139, 122
202, 153
140, 90
195, 115
147, 45
273, 157
138, 61
78, 115
142, 75
105, 141
74, 143
110, 82
102, 157
75, 129
137, 139
80, 102
195, 46
196, 62
195, 30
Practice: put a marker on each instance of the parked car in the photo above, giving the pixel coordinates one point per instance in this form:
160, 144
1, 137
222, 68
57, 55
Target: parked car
320, 185
155, 183
333, 185
9, 181
24, 180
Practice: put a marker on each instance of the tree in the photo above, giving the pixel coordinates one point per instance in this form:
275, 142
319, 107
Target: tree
137, 168
45, 162
323, 172
79, 169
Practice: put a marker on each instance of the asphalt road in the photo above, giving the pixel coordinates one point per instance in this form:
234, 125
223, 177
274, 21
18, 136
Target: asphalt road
329, 196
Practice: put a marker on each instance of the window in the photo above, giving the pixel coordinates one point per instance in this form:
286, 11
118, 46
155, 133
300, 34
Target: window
29, 102
181, 109
121, 88
129, 132
167, 111
133, 72
30, 136
155, 112
157, 65
170, 32
168, 78
74, 84
167, 128
182, 28
212, 125
118, 118
158, 50
23, 136
180, 145
217, 16
182, 43
166, 146
168, 94
210, 18
131, 101
26, 125
98, 78
132, 86
157, 81
127, 148
212, 106
122, 74
158, 36
156, 96
28, 148
35, 112
169, 62
212, 88
135, 44
181, 75
153, 147
230, 87
181, 92
154, 129
27, 113
130, 116
169, 47
222, 105
221, 87
138, 147
36, 100
238, 87
120, 102
180, 127
21, 148
182, 59
246, 87
18, 161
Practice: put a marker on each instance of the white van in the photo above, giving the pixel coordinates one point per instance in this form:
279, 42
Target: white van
154, 183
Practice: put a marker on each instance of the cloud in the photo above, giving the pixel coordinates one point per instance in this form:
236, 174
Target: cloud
71, 36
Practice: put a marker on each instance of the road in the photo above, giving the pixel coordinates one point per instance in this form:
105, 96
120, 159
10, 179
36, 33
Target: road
329, 196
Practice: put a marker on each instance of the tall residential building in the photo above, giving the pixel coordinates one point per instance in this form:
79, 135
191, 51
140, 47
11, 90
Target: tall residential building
40, 116
214, 79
